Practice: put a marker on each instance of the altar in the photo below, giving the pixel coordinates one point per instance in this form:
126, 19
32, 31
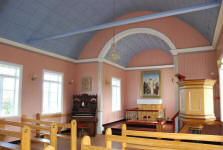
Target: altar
148, 112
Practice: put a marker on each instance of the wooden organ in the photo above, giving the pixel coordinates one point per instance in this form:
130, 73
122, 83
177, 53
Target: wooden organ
85, 112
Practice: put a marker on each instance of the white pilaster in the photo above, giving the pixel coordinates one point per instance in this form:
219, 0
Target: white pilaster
220, 71
100, 76
175, 61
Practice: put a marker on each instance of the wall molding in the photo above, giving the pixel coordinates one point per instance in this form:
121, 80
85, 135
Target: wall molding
100, 59
113, 64
91, 60
149, 67
35, 50
192, 50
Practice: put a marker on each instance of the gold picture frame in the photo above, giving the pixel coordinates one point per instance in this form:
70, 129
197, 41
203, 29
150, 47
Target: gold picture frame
151, 84
86, 84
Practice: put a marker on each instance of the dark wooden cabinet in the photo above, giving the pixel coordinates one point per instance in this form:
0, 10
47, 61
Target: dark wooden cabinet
85, 112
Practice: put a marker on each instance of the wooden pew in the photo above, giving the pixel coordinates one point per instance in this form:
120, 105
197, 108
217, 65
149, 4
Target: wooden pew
24, 136
86, 145
177, 137
138, 140
49, 148
72, 126
52, 129
52, 116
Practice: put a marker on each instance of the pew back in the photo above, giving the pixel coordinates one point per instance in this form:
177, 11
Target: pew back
40, 117
86, 145
52, 129
142, 140
72, 126
173, 136
24, 136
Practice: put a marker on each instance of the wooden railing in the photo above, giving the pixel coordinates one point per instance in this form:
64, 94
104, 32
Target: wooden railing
136, 114
24, 136
173, 120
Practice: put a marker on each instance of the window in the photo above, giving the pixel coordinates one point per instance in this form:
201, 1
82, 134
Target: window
10, 89
52, 92
116, 94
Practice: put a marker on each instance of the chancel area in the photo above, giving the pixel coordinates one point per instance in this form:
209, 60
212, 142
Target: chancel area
111, 74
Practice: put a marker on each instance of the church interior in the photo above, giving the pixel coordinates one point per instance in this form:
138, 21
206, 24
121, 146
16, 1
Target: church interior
111, 74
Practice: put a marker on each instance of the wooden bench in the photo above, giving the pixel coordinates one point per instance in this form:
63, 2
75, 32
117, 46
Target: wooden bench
24, 136
52, 129
72, 126
176, 137
155, 141
86, 145
52, 116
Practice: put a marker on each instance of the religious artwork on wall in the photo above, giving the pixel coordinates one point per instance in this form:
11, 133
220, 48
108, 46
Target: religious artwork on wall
151, 84
86, 84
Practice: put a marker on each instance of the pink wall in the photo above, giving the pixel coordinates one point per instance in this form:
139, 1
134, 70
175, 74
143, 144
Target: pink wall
198, 65
219, 49
149, 58
31, 100
108, 73
179, 32
133, 78
133, 88
86, 70
34, 64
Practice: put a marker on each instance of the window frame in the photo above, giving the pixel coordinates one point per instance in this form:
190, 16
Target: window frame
120, 94
62, 88
20, 67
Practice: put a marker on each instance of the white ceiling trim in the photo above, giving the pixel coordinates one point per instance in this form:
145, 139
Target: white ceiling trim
192, 50
79, 61
113, 64
218, 27
128, 32
35, 50
92, 60
137, 68
149, 67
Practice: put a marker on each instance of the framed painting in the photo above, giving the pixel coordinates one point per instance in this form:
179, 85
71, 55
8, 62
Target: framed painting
151, 84
86, 84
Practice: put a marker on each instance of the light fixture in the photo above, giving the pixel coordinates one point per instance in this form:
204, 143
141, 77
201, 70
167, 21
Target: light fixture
114, 55
71, 82
34, 77
219, 63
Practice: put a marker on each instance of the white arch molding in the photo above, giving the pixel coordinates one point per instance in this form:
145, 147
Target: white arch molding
118, 37
131, 31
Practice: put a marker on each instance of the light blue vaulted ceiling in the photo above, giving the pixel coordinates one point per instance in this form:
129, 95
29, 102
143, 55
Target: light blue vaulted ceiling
128, 47
22, 20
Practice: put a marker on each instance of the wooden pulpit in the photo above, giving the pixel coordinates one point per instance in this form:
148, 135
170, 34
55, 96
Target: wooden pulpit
196, 102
